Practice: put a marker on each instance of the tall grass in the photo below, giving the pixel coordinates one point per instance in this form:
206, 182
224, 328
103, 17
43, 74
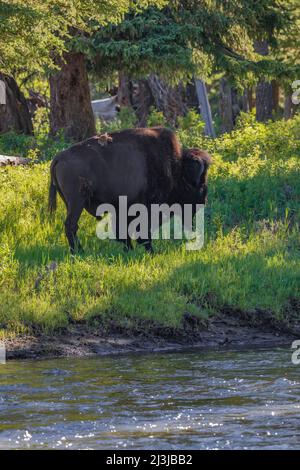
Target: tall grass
251, 257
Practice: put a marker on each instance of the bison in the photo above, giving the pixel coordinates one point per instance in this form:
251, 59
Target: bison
146, 165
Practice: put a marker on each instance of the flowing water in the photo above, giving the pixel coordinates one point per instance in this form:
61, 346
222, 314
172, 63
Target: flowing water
212, 400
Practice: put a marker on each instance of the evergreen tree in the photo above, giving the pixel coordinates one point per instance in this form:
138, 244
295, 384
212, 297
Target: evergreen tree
38, 36
33, 32
187, 39
289, 52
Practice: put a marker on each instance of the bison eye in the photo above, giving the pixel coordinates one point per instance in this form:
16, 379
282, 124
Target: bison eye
193, 170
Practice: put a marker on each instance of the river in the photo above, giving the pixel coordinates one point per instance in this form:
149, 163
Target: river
196, 400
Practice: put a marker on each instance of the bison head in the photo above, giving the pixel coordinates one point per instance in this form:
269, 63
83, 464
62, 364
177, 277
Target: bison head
193, 179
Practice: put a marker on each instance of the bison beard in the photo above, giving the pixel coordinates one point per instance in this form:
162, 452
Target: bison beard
146, 165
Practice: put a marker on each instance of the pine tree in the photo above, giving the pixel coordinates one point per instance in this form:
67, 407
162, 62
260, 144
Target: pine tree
289, 52
189, 38
38, 35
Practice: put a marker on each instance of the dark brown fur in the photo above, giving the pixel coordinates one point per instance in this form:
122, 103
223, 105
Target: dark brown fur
146, 165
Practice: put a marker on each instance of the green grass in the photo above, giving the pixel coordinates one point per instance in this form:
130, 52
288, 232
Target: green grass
251, 257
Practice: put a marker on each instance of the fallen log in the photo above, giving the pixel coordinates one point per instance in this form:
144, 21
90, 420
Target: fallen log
9, 160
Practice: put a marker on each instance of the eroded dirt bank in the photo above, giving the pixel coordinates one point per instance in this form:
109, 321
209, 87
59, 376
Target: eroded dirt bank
227, 330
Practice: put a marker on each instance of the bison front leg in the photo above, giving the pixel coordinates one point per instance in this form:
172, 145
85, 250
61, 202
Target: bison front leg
147, 244
125, 238
71, 227
128, 244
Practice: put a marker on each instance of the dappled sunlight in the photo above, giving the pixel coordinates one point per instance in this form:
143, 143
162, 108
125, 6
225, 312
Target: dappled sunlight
250, 258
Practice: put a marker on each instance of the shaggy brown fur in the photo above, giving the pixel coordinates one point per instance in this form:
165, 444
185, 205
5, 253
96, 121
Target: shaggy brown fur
146, 165
162, 150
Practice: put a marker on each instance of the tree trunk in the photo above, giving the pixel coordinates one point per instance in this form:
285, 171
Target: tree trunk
142, 101
124, 90
237, 104
289, 107
275, 95
225, 106
264, 101
247, 100
251, 98
143, 94
264, 90
70, 100
135, 94
14, 112
191, 96
168, 99
231, 104
204, 107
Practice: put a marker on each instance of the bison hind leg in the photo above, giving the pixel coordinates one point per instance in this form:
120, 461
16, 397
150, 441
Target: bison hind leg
71, 226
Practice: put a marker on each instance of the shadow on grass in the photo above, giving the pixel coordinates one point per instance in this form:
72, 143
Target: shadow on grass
40, 255
107, 250
249, 282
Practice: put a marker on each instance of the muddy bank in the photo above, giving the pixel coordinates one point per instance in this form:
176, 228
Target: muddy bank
227, 330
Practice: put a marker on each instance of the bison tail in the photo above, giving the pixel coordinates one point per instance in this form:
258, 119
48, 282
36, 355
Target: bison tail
52, 191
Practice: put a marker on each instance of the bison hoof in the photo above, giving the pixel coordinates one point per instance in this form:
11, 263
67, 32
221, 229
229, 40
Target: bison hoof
77, 252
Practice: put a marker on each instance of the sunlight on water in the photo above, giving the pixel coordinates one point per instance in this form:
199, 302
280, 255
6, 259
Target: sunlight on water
172, 401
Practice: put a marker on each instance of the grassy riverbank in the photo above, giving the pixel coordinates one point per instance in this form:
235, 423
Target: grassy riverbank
250, 261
